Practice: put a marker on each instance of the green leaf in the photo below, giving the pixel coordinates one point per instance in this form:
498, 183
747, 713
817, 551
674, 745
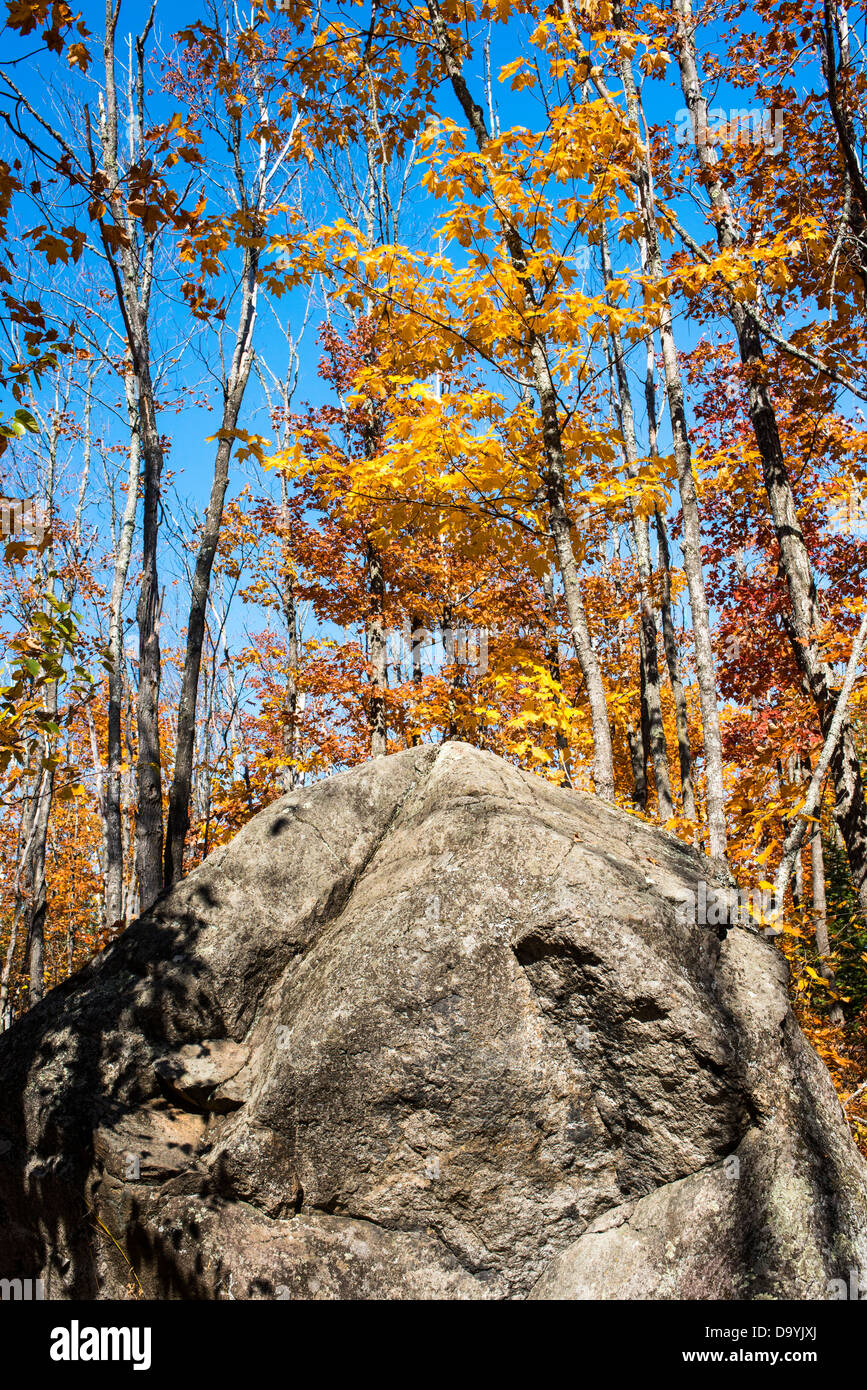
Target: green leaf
27, 420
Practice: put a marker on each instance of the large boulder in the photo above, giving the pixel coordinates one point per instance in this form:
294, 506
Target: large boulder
432, 1028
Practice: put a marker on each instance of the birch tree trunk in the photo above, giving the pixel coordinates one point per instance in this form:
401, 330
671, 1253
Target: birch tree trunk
251, 203
290, 731
377, 653
113, 815
553, 659
132, 272
35, 885
651, 695
234, 390
691, 541
850, 808
669, 639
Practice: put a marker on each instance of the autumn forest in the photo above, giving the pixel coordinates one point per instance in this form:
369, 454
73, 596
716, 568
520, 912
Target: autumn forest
378, 374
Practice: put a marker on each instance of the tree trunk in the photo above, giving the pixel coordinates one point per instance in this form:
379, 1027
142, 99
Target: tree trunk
182, 780
132, 277
377, 653
290, 617
691, 542
234, 388
553, 659
6, 973
290, 730
554, 475
651, 695
560, 526
113, 816
149, 812
639, 769
127, 799
418, 635
850, 809
36, 886
820, 918
23, 889
669, 639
